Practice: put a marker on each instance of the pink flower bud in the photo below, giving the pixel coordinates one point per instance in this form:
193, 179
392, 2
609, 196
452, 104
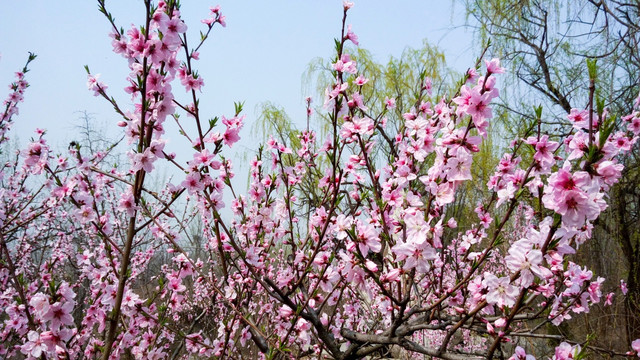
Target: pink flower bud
371, 266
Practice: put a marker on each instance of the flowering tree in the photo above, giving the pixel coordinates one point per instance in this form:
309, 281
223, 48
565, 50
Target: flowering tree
376, 269
547, 56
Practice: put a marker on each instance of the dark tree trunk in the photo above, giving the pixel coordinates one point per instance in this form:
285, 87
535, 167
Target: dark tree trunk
631, 249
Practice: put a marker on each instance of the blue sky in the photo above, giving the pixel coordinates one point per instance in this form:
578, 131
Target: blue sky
260, 56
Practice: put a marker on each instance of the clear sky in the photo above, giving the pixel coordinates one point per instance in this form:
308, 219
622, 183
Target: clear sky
260, 56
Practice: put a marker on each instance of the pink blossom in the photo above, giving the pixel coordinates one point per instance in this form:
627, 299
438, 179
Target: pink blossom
94, 85
580, 119
478, 108
192, 82
351, 35
609, 299
173, 27
575, 207
193, 183
623, 287
565, 351
610, 171
493, 66
500, 291
367, 238
528, 261
458, 167
343, 223
143, 161
391, 276
472, 75
127, 204
35, 347
390, 103
427, 85
544, 150
40, 303
371, 266
635, 345
634, 125
59, 314
520, 354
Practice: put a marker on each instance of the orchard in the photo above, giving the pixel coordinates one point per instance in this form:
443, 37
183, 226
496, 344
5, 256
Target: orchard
373, 264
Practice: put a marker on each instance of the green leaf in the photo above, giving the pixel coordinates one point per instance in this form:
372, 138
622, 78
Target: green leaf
538, 111
599, 104
213, 122
592, 68
607, 129
499, 240
238, 106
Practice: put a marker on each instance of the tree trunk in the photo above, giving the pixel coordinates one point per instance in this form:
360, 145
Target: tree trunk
632, 253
